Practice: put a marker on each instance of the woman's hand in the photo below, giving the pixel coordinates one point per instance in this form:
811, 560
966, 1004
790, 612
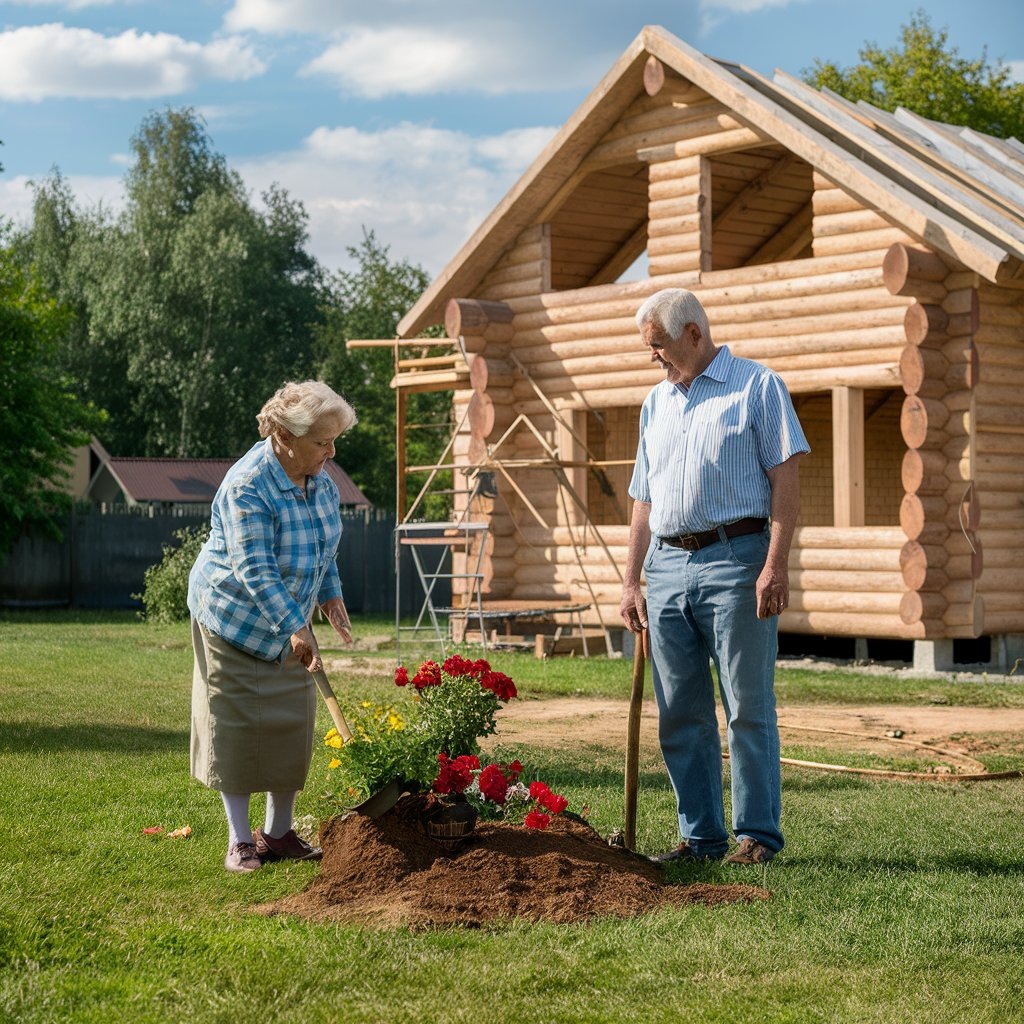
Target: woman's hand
305, 648
337, 615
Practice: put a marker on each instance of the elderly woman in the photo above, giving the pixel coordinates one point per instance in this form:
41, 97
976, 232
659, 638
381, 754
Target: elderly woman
269, 560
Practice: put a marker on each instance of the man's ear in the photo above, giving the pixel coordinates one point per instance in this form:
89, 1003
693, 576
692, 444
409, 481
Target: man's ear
693, 334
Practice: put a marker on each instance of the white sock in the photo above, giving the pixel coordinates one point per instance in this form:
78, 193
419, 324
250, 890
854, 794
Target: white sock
236, 805
280, 810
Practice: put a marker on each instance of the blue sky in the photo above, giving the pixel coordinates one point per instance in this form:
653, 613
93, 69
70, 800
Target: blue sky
410, 117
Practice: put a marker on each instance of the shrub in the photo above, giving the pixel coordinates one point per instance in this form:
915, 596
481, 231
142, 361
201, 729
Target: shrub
165, 585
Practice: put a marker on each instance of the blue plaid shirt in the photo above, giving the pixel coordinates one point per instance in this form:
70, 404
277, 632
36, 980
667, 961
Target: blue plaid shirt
270, 557
704, 450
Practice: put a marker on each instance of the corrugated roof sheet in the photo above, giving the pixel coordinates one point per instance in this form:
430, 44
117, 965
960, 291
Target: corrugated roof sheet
197, 480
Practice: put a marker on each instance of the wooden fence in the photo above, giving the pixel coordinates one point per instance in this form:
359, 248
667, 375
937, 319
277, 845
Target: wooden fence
103, 557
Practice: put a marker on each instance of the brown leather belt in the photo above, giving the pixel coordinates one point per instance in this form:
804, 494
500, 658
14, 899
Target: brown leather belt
696, 541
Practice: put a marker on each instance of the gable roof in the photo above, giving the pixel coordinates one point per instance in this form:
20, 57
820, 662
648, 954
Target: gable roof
196, 480
956, 189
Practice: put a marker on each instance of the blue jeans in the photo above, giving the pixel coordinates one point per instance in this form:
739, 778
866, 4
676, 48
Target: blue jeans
701, 605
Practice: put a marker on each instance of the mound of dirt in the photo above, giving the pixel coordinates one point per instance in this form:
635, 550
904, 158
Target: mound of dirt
386, 872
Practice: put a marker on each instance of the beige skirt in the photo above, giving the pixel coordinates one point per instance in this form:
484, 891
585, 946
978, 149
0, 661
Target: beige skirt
252, 720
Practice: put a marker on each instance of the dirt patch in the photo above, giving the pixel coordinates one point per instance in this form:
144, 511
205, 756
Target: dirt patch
386, 873
871, 728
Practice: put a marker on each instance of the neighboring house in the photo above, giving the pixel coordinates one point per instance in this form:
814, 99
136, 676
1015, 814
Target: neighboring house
181, 484
875, 260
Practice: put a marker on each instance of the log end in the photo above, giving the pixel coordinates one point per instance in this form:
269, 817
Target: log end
654, 76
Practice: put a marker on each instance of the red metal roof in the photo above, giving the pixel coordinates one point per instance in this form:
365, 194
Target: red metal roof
197, 480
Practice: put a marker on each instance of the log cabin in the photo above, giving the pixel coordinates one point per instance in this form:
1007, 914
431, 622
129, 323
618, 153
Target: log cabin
874, 259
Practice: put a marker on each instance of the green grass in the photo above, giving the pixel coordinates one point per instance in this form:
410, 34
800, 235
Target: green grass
893, 902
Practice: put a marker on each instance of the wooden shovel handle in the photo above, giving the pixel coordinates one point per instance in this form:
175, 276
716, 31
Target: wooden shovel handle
324, 686
636, 700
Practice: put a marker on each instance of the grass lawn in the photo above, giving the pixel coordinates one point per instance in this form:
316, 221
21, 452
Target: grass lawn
894, 901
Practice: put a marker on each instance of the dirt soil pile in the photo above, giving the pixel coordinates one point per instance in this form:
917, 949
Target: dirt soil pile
386, 872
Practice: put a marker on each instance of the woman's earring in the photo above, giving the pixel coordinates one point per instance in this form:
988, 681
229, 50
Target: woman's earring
291, 454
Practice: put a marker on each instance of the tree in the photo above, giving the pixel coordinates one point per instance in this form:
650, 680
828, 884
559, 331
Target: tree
41, 420
192, 306
930, 78
368, 302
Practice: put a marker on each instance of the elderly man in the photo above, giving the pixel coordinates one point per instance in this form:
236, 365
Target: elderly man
716, 494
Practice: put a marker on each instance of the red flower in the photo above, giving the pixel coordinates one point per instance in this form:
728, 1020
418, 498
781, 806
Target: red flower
493, 784
401, 676
538, 790
455, 775
553, 802
428, 675
458, 666
499, 683
537, 820
513, 771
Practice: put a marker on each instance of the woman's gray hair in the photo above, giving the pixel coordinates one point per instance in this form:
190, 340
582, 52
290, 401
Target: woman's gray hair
672, 309
296, 407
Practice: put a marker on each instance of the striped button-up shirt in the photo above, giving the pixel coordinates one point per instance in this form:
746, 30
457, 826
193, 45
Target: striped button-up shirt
704, 450
270, 556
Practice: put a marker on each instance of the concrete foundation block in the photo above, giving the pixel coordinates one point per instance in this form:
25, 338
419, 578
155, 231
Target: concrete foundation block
933, 656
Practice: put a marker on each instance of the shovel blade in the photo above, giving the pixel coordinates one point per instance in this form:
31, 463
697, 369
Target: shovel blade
379, 803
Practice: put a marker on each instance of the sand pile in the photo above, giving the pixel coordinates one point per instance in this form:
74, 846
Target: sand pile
385, 872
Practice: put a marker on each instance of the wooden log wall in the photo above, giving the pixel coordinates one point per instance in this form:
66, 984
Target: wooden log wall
940, 513
484, 329
843, 582
819, 323
843, 225
998, 458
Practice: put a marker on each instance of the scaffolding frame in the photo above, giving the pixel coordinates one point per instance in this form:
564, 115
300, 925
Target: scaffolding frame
443, 373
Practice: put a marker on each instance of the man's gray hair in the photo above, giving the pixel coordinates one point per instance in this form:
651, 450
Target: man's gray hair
672, 309
296, 407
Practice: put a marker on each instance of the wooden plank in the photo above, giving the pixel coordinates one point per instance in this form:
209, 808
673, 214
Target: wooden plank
848, 480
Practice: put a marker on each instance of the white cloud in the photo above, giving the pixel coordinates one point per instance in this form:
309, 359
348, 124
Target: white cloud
54, 60
408, 47
399, 60
322, 16
714, 12
422, 190
375, 62
1016, 69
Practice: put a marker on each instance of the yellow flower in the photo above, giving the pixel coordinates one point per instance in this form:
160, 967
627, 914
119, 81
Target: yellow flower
395, 721
334, 763
334, 741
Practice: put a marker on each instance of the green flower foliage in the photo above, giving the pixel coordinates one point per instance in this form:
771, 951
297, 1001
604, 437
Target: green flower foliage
165, 585
386, 745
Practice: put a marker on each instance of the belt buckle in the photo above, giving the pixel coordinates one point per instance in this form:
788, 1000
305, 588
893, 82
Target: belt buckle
689, 542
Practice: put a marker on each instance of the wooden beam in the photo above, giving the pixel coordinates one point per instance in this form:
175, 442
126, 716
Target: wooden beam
848, 456
624, 258
754, 188
790, 240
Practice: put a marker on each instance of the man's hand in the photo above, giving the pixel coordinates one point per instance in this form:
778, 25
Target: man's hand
633, 608
772, 591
